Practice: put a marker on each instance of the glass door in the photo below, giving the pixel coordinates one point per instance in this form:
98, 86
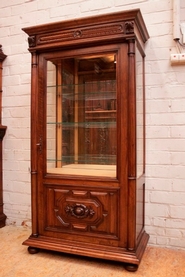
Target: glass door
82, 116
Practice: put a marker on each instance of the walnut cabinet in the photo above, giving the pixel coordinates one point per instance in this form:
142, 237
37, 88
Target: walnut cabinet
88, 137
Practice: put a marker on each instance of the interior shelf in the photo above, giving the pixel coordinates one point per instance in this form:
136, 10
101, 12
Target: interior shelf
85, 169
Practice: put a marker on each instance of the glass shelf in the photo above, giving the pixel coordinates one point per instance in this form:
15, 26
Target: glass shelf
86, 159
101, 124
103, 83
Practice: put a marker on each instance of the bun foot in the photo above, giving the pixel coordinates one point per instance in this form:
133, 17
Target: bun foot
131, 267
33, 250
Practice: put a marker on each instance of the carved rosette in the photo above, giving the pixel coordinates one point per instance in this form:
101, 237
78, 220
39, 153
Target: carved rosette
32, 41
77, 34
2, 131
2, 55
79, 211
129, 27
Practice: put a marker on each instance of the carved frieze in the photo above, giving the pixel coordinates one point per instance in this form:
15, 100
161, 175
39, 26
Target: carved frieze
82, 33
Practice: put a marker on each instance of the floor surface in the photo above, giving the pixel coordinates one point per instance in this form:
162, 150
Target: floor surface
15, 261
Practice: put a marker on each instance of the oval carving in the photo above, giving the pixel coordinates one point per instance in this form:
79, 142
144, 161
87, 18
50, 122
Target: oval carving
79, 211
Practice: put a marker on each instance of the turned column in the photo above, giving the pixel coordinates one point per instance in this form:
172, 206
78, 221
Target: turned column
2, 133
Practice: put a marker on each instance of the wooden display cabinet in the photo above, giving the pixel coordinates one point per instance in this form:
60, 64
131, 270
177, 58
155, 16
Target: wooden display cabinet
2, 133
88, 137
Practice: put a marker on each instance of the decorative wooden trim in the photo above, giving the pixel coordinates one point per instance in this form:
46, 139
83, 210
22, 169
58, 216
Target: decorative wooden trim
117, 26
2, 133
32, 41
79, 211
131, 145
91, 250
34, 145
129, 27
83, 33
2, 56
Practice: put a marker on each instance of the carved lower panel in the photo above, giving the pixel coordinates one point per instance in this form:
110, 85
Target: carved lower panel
82, 211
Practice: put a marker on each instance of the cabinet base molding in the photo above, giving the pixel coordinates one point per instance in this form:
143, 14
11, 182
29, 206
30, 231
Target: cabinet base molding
131, 259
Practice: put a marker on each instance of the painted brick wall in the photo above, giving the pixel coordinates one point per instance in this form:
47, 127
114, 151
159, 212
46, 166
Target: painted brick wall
165, 108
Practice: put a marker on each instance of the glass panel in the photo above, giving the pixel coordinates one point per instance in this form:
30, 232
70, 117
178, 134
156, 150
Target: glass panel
81, 116
140, 143
139, 113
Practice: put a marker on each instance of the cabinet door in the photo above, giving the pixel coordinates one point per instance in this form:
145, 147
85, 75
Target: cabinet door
81, 116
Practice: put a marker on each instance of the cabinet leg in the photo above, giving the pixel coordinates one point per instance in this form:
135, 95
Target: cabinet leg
33, 250
131, 267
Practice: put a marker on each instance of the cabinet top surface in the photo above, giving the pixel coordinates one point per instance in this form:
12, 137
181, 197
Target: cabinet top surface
91, 20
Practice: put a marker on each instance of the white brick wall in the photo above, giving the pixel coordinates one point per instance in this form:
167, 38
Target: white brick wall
165, 108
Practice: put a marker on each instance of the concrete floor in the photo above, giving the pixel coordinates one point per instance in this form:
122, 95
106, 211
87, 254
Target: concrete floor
15, 261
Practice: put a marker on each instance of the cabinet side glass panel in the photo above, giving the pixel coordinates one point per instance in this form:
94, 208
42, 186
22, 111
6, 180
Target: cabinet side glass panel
82, 116
140, 142
139, 114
